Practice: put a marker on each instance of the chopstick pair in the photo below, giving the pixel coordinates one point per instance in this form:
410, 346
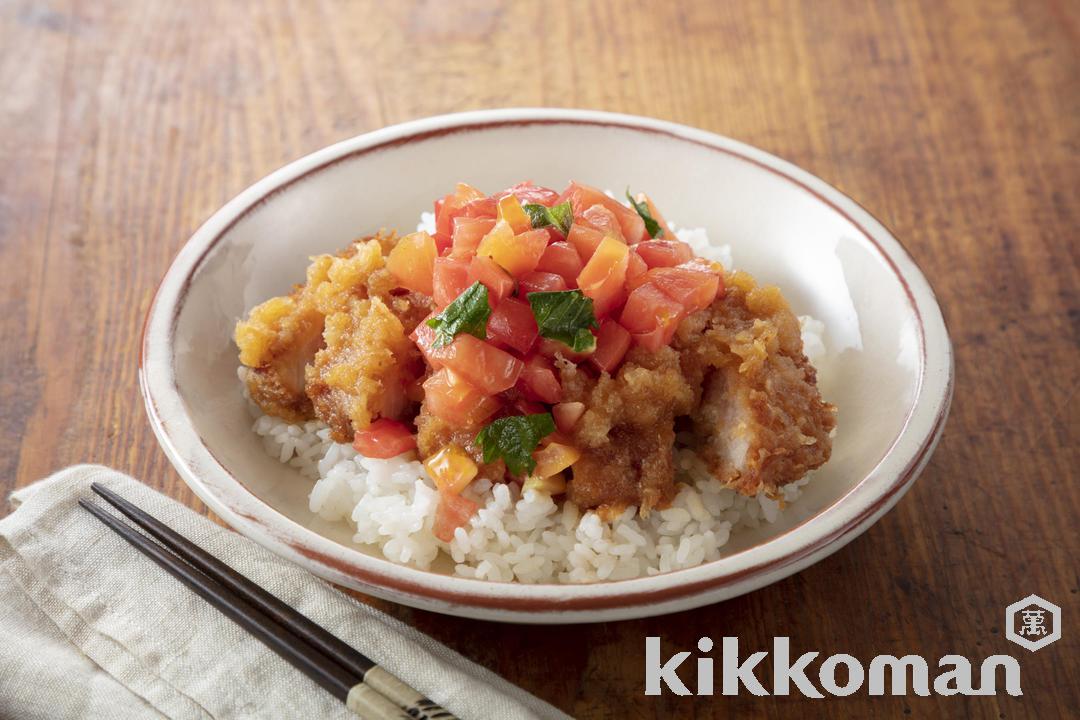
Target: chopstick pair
368, 690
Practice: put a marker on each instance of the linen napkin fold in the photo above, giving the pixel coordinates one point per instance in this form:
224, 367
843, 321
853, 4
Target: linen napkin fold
90, 628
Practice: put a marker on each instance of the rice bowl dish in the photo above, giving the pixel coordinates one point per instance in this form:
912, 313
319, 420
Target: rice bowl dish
519, 531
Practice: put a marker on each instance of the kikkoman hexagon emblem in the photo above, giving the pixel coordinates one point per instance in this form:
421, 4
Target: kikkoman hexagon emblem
1033, 623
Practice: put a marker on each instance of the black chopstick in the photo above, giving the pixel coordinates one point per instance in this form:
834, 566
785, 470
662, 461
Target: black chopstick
364, 686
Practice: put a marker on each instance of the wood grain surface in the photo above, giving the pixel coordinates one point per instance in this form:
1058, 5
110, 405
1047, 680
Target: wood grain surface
124, 125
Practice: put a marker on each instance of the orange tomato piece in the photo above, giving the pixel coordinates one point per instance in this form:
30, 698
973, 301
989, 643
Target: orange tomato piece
603, 276
517, 254
451, 468
553, 458
567, 414
451, 398
635, 270
412, 262
511, 211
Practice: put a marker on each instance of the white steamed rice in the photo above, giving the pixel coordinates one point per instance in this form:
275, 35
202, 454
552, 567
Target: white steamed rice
525, 538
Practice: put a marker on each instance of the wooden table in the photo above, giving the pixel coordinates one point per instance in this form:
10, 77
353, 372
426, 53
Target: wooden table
124, 125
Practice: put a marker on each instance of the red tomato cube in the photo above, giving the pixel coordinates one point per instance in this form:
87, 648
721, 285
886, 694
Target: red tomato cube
453, 511
453, 205
635, 270
562, 259
603, 220
485, 271
527, 193
693, 289
538, 381
384, 438
664, 253
612, 342
585, 240
582, 197
468, 232
540, 282
512, 325
648, 308
451, 278
451, 398
484, 366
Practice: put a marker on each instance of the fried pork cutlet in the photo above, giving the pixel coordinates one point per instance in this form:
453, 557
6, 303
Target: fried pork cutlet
760, 420
337, 347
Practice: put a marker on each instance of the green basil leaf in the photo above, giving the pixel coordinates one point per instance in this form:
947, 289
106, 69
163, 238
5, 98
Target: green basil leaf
559, 217
514, 438
566, 316
651, 226
468, 313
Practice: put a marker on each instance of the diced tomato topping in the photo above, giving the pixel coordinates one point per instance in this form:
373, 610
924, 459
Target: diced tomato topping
603, 276
538, 381
585, 240
451, 398
485, 207
453, 511
451, 468
664, 253
693, 289
451, 278
567, 414
658, 338
484, 366
468, 232
453, 205
603, 220
412, 262
648, 308
517, 254
511, 211
384, 438
485, 271
424, 337
562, 259
540, 282
635, 270
582, 197
527, 193
512, 325
612, 342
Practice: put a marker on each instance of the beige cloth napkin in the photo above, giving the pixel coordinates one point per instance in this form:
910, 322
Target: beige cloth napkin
89, 628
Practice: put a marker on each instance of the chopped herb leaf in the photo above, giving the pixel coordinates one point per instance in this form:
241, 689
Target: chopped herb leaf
566, 316
514, 438
468, 313
642, 208
560, 216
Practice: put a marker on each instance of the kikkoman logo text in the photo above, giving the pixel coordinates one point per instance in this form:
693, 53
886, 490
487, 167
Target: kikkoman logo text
884, 674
